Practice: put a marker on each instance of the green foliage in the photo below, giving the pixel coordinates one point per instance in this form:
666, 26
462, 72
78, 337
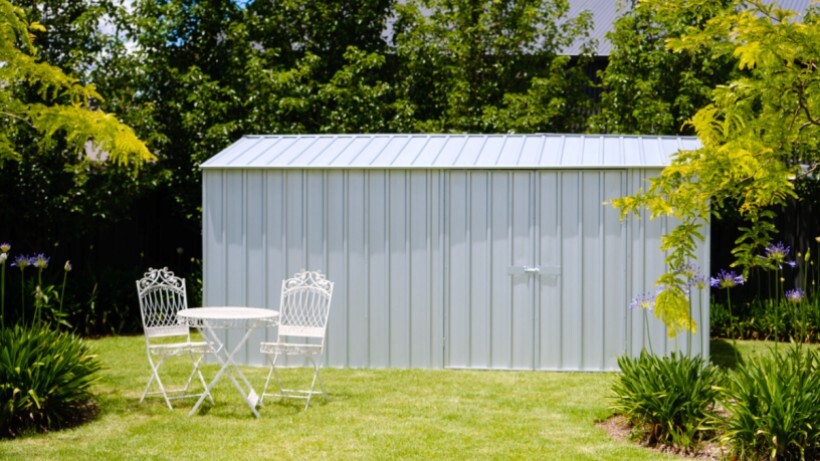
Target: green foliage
774, 407
647, 88
72, 162
67, 103
667, 400
488, 66
45, 380
770, 319
110, 311
767, 319
756, 132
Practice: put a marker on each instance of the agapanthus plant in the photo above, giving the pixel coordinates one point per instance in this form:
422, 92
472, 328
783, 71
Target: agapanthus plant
776, 255
643, 301
66, 270
795, 296
695, 280
4, 255
646, 302
44, 295
22, 262
726, 279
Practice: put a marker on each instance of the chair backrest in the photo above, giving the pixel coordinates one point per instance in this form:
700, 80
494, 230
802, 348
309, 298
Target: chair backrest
161, 295
305, 305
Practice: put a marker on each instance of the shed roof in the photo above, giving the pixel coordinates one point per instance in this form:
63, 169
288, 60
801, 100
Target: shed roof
450, 151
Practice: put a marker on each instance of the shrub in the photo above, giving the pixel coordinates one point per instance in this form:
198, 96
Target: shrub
774, 407
667, 400
45, 380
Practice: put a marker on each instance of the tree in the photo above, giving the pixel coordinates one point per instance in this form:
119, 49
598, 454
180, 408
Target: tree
488, 66
647, 88
760, 134
289, 30
59, 147
68, 106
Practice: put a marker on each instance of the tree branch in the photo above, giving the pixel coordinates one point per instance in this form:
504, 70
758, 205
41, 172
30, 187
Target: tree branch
15, 116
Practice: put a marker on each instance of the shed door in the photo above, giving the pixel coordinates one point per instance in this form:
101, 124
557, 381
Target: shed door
536, 270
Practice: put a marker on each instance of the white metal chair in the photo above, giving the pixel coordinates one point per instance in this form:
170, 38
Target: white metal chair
161, 295
303, 311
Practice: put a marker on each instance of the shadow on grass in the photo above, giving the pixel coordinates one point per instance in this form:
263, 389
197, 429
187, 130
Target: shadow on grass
724, 354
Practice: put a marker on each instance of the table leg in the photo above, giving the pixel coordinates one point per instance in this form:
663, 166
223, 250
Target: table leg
229, 365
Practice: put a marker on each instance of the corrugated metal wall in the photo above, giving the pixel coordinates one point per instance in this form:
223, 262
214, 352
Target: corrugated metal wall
512, 269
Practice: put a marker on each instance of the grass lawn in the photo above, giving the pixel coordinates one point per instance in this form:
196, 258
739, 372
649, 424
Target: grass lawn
372, 414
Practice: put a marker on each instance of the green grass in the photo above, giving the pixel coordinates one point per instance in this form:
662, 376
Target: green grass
371, 414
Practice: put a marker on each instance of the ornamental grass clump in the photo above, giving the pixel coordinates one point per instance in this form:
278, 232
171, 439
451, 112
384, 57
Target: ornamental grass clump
45, 380
667, 400
773, 404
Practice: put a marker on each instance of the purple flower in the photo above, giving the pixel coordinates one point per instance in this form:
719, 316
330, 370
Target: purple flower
688, 269
22, 261
67, 266
726, 279
694, 278
40, 261
5, 247
795, 296
643, 301
777, 254
699, 281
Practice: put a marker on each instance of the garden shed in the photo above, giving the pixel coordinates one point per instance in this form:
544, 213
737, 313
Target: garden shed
448, 251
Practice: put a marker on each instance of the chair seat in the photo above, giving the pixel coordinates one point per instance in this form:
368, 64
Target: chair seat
291, 348
200, 347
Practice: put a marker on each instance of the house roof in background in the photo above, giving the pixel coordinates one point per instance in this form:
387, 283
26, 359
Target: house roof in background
449, 151
606, 12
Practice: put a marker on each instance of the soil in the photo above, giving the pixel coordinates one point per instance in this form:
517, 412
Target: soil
619, 429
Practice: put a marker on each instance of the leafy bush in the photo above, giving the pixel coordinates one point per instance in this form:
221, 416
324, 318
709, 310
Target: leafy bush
768, 319
45, 380
774, 407
667, 400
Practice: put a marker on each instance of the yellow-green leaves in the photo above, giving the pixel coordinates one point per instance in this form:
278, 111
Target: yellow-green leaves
117, 141
759, 132
672, 308
69, 110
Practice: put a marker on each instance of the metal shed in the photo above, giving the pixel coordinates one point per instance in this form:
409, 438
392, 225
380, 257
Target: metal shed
448, 251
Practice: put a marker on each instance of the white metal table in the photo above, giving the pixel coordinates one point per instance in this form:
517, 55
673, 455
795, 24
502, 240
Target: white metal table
209, 319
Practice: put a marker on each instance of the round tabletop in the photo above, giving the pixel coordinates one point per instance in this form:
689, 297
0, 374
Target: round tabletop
223, 314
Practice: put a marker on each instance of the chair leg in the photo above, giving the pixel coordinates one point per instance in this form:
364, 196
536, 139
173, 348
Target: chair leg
148, 386
150, 380
155, 376
196, 371
316, 378
272, 373
294, 393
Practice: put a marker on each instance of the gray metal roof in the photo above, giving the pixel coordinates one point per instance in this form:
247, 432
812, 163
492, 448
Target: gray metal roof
450, 151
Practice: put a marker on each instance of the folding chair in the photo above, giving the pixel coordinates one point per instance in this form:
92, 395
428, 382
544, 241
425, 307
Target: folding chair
303, 313
161, 295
